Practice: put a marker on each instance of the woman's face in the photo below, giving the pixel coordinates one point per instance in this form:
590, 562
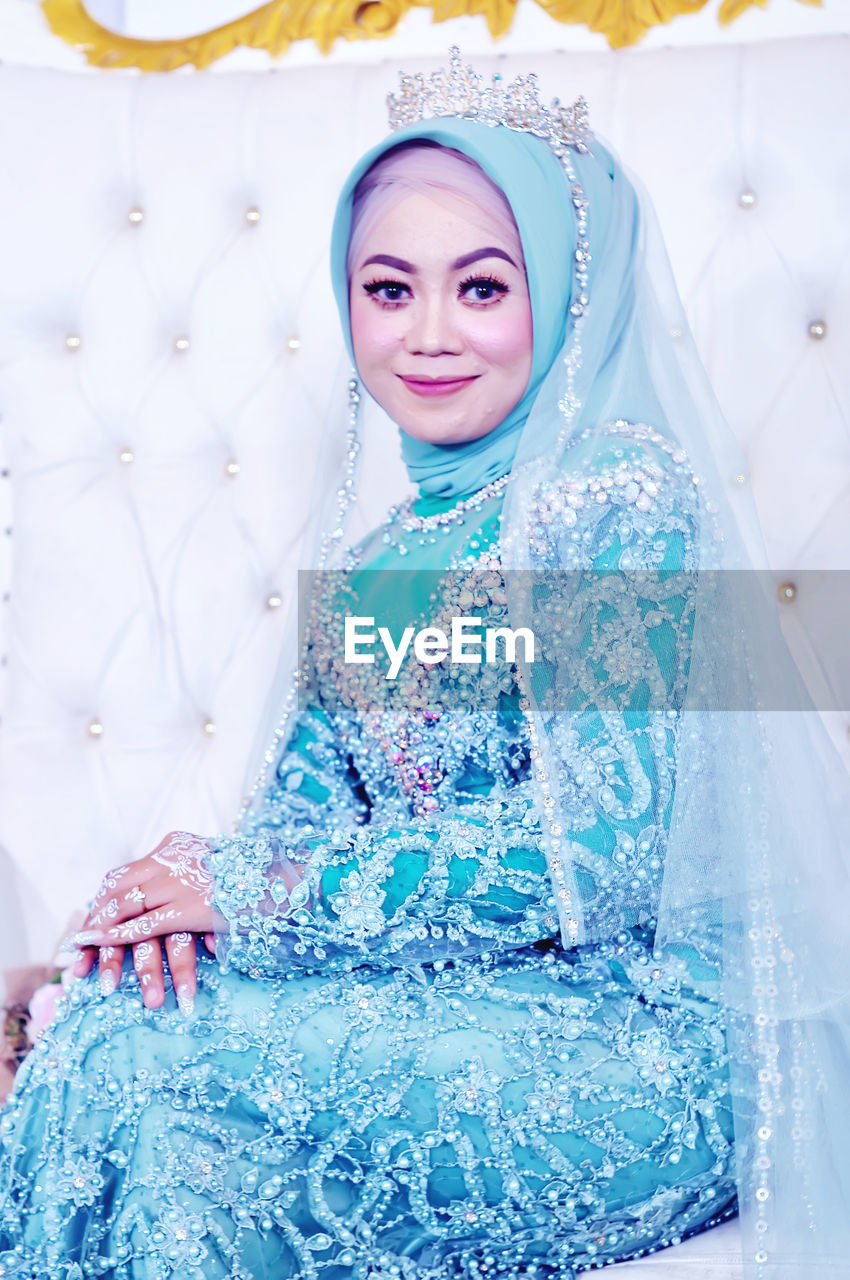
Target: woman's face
440, 321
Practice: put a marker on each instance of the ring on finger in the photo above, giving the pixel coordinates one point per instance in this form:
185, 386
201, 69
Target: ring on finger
136, 894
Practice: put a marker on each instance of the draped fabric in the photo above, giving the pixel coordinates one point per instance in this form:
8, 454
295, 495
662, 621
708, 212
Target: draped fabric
754, 862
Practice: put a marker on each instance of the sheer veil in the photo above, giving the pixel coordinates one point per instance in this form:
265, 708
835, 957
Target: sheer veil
754, 869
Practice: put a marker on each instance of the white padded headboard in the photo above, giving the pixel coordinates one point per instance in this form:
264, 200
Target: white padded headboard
167, 348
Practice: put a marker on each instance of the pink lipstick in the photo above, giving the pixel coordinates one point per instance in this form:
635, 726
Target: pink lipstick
430, 387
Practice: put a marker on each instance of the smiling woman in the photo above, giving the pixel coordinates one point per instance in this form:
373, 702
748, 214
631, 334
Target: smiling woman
443, 342
518, 972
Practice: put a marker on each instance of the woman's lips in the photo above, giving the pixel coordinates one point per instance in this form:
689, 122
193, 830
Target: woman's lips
436, 386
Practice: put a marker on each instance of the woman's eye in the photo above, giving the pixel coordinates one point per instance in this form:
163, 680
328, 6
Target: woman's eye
388, 292
483, 289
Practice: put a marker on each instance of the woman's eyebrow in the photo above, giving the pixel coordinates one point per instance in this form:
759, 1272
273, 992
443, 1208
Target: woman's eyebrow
386, 260
467, 259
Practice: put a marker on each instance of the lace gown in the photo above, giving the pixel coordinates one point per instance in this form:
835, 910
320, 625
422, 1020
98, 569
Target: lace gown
394, 1070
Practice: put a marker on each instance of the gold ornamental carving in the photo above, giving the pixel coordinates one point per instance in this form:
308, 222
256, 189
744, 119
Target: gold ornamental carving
275, 26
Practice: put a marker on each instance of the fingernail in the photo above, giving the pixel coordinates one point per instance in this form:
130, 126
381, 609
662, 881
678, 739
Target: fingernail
88, 938
107, 983
185, 1001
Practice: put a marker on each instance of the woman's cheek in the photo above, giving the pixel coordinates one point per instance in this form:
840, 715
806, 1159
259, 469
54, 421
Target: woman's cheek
374, 336
507, 340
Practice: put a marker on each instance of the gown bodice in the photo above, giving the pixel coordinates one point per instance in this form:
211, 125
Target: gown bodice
436, 846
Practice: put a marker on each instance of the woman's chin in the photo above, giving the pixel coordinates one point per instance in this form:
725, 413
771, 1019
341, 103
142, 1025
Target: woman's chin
444, 433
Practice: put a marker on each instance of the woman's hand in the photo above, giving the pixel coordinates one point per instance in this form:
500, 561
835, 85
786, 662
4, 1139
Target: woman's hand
163, 897
180, 951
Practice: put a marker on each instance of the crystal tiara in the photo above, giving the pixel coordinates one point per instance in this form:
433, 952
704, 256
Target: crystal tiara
461, 92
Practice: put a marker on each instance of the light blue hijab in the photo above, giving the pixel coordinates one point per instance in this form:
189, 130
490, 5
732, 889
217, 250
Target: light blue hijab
533, 182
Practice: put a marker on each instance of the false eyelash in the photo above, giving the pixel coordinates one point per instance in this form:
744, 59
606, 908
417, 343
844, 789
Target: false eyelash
494, 281
374, 285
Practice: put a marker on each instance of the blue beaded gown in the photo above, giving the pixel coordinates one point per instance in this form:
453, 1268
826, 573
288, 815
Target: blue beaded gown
395, 1070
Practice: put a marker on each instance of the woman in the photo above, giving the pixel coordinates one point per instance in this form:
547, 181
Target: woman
475, 1004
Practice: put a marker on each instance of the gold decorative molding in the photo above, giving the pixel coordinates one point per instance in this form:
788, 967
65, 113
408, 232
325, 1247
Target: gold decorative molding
622, 22
275, 26
731, 9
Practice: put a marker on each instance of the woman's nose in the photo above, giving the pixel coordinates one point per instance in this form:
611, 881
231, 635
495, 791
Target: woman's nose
432, 329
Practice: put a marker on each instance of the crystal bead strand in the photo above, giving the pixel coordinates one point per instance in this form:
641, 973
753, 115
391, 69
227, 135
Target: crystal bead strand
569, 406
345, 496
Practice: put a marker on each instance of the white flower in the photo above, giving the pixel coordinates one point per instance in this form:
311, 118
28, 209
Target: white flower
474, 1090
176, 1235
79, 1181
358, 905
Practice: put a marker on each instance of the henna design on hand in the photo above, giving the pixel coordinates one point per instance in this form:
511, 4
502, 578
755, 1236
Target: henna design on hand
144, 926
182, 858
141, 954
109, 882
109, 912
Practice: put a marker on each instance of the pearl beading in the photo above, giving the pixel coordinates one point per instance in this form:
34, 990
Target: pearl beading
412, 523
402, 513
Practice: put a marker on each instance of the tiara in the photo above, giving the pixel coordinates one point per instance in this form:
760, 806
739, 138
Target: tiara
461, 92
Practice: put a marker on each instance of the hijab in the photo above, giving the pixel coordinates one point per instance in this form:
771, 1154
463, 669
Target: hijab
525, 170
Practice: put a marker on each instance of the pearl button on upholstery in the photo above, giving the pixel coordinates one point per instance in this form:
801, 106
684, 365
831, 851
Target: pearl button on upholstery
817, 329
293, 344
95, 728
209, 728
136, 215
787, 591
181, 344
274, 601
252, 216
232, 467
73, 341
126, 455
747, 198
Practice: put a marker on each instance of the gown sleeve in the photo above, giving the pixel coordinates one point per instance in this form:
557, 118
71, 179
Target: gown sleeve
317, 881
328, 889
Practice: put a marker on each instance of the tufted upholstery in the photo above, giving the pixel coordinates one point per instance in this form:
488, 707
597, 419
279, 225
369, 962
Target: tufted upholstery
154, 489
167, 357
